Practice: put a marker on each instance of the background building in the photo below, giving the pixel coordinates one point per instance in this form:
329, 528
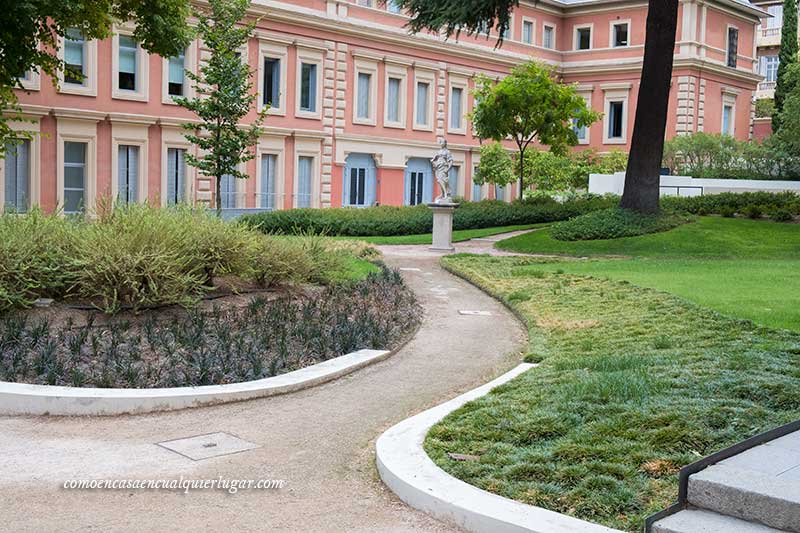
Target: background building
357, 104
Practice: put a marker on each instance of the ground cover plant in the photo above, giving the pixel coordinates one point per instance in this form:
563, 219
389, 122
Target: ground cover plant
138, 257
742, 268
615, 223
416, 220
262, 338
632, 385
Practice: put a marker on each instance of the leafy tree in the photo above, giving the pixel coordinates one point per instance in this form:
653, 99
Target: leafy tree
530, 105
786, 58
642, 178
224, 95
495, 165
33, 29
788, 133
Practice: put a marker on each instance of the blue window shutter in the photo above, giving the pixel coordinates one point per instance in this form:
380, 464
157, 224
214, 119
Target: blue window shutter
133, 174
172, 175
122, 174
371, 185
346, 179
453, 180
23, 175
427, 184
180, 165
312, 90
276, 83
267, 181
10, 177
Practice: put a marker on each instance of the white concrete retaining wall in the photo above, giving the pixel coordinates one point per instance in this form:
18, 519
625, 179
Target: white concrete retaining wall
406, 469
688, 186
25, 399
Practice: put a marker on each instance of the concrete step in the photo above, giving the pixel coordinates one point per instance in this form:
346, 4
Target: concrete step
748, 494
703, 521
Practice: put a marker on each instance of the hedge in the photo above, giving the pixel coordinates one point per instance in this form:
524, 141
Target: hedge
729, 203
412, 220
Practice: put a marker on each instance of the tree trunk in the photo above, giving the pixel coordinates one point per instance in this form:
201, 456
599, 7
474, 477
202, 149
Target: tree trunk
521, 172
219, 196
647, 145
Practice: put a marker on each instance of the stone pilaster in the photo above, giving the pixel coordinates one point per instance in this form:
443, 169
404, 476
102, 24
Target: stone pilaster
701, 105
441, 99
329, 105
687, 100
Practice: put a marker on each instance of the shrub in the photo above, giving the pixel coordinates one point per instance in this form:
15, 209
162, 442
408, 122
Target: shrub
387, 221
727, 211
615, 223
781, 215
35, 258
277, 260
717, 203
765, 107
753, 211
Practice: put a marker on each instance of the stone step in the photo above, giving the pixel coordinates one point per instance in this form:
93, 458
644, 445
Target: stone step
748, 494
703, 521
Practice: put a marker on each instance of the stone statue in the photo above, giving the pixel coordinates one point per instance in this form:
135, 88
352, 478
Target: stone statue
442, 163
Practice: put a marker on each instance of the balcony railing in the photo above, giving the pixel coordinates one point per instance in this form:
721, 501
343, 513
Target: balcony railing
770, 32
766, 86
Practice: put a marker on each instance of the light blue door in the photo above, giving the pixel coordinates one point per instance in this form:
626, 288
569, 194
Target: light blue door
228, 192
17, 176
176, 173
452, 180
359, 181
128, 174
418, 183
268, 162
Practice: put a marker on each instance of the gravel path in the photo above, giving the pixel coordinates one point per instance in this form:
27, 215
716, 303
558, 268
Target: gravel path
321, 441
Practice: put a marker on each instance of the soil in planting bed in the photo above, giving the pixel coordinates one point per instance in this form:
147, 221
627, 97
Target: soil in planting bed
227, 339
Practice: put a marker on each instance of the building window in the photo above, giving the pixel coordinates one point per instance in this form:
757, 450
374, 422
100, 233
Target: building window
456, 108
268, 193
619, 34
769, 68
548, 37
227, 191
176, 175
423, 92
476, 188
128, 175
616, 112
527, 32
727, 119
580, 131
393, 93
733, 46
272, 82
176, 76
452, 179
364, 93
305, 173
74, 176
17, 176
74, 58
128, 50
499, 192
416, 188
776, 20
365, 3
583, 38
393, 7
308, 87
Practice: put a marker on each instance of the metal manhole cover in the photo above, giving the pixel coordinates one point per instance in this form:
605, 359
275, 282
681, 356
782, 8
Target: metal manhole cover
207, 446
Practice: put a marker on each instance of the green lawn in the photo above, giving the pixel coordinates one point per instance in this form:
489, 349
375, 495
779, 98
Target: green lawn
458, 235
633, 384
742, 268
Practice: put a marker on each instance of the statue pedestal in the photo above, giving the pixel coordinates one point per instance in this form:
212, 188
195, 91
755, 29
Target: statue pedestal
443, 226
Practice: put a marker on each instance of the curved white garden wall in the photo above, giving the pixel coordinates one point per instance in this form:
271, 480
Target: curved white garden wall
688, 186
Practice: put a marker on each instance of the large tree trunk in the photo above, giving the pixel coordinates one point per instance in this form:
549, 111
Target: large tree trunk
647, 146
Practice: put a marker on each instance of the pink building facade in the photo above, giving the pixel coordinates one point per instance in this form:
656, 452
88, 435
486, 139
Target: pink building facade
357, 105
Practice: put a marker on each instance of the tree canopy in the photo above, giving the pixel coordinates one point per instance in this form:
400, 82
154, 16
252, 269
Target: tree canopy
33, 30
786, 58
529, 105
453, 17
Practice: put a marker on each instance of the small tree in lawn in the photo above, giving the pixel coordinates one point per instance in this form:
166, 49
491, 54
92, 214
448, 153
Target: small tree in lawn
224, 95
530, 105
495, 165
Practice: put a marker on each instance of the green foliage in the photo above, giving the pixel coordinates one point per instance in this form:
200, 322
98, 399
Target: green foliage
787, 56
703, 155
729, 203
613, 224
753, 211
32, 41
530, 104
781, 215
495, 165
471, 16
633, 384
224, 95
788, 132
388, 221
765, 107
216, 345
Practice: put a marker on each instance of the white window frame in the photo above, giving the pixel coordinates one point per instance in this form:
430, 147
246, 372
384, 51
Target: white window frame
532, 22
586, 92
457, 82
309, 56
129, 135
82, 131
576, 36
32, 82
611, 25
307, 148
271, 145
190, 64
142, 69
555, 41
616, 94
34, 185
89, 88
281, 53
172, 137
729, 97
429, 77
399, 72
361, 66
